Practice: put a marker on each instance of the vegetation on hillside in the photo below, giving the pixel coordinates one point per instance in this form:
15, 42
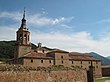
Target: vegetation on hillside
7, 49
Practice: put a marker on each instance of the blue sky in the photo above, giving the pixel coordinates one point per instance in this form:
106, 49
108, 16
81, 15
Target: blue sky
72, 25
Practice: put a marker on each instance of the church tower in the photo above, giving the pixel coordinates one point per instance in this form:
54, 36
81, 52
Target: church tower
23, 39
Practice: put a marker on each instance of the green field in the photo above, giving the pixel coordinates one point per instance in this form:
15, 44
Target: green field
102, 79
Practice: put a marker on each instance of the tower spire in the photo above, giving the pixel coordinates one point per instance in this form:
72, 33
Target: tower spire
24, 13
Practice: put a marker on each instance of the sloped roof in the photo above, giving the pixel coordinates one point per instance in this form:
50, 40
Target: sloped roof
81, 56
35, 54
57, 51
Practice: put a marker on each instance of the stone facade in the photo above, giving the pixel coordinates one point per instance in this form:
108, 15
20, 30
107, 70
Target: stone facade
42, 76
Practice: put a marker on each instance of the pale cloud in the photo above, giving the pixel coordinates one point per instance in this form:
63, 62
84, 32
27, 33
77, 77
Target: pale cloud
11, 15
36, 19
77, 42
43, 21
7, 32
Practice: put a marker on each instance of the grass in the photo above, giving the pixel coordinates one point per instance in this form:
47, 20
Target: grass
102, 79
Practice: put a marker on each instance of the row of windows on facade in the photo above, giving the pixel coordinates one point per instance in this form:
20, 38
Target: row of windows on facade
61, 62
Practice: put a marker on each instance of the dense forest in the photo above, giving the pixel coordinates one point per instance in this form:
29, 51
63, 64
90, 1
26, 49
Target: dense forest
7, 49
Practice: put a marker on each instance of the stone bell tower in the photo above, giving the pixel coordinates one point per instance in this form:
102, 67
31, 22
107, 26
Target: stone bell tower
23, 39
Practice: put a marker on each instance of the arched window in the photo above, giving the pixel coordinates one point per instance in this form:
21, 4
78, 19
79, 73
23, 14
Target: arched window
20, 37
25, 36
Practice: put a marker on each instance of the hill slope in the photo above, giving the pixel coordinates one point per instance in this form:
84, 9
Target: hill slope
7, 49
108, 57
104, 60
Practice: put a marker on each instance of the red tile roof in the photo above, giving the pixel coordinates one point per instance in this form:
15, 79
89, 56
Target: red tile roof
81, 56
35, 54
57, 51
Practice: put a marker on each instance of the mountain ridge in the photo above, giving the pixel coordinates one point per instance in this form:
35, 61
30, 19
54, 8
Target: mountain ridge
7, 49
104, 60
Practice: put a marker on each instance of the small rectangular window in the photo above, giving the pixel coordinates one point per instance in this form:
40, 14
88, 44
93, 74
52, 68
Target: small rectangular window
72, 62
62, 57
62, 62
49, 61
81, 62
31, 60
96, 62
41, 61
96, 66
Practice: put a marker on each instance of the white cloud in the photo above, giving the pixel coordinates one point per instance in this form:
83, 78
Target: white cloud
80, 41
11, 15
42, 21
36, 19
7, 32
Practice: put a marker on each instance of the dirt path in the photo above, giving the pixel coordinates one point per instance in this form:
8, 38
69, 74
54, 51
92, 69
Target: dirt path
107, 81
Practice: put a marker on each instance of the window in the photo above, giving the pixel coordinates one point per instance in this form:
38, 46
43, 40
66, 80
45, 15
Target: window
62, 62
31, 61
96, 66
72, 62
89, 62
96, 62
62, 57
81, 62
41, 61
49, 61
43, 51
20, 37
25, 37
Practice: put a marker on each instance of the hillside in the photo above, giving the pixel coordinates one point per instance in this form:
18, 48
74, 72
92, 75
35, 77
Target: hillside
7, 49
108, 57
104, 60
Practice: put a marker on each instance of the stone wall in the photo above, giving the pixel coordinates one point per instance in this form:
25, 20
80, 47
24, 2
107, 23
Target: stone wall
44, 76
